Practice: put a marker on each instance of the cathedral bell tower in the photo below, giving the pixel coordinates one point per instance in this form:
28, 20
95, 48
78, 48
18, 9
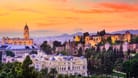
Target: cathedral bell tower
26, 32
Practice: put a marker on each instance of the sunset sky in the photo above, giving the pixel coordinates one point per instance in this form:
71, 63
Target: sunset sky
54, 17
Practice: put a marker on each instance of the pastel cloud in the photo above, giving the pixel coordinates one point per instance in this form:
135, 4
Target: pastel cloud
59, 0
68, 15
105, 7
26, 10
120, 7
4, 14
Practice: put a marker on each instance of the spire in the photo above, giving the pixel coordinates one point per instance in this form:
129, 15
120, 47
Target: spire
26, 32
26, 26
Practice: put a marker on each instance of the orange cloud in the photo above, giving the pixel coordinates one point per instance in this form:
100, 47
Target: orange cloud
26, 9
59, 0
120, 7
4, 14
48, 24
105, 8
89, 11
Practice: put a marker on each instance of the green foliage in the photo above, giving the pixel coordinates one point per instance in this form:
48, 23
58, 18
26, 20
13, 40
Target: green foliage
44, 73
80, 52
10, 53
19, 70
56, 43
60, 76
11, 70
130, 67
27, 69
134, 40
101, 33
45, 47
101, 62
118, 64
53, 73
33, 52
63, 53
0, 57
136, 56
109, 40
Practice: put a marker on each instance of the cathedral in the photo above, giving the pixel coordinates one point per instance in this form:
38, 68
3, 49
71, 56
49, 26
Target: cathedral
19, 41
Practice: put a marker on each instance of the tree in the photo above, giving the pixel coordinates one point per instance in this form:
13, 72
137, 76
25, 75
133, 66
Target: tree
80, 52
109, 40
17, 70
134, 40
101, 33
10, 53
46, 48
33, 52
20, 70
44, 73
0, 56
27, 69
63, 53
130, 68
85, 34
53, 72
134, 68
60, 76
121, 54
11, 70
118, 64
56, 43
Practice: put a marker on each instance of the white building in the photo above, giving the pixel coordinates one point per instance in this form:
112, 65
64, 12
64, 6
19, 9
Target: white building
63, 64
18, 50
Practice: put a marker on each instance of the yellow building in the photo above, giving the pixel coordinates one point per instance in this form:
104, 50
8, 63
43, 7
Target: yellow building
19, 41
87, 39
115, 37
121, 37
127, 36
77, 38
95, 39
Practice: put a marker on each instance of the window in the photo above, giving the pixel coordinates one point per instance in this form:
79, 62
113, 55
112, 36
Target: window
68, 68
83, 67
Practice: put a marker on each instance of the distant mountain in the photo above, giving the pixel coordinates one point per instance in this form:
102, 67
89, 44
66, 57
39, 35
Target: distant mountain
64, 37
123, 31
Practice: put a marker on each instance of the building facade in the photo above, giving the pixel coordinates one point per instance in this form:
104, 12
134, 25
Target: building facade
63, 64
19, 41
69, 65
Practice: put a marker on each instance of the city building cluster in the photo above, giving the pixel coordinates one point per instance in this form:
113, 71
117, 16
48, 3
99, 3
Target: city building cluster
68, 57
63, 64
16, 50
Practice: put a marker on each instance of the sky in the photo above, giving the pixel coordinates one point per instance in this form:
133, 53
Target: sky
55, 17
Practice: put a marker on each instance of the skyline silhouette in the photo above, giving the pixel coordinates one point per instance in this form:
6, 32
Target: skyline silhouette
55, 17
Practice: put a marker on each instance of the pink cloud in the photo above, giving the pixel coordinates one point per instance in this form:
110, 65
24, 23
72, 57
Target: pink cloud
120, 7
105, 8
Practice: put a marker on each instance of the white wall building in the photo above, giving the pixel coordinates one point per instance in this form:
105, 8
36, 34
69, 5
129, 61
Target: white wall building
63, 64
18, 50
